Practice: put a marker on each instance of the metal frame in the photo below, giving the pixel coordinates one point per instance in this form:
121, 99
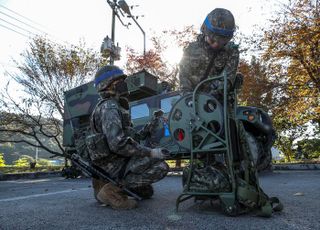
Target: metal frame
228, 198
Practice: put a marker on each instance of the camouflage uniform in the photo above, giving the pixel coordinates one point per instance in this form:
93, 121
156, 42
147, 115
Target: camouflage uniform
200, 60
196, 59
128, 161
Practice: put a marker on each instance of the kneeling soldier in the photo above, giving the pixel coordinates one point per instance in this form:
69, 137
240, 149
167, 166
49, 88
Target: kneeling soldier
114, 145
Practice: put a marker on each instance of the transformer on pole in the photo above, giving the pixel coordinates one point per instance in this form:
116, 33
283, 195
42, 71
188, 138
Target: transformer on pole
108, 47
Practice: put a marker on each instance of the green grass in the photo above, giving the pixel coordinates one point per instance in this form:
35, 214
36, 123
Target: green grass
306, 161
14, 169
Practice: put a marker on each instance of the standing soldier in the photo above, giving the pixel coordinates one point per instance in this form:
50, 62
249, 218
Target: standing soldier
212, 52
114, 148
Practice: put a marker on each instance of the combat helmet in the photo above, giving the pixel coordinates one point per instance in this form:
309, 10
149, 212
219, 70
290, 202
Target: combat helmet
219, 26
106, 75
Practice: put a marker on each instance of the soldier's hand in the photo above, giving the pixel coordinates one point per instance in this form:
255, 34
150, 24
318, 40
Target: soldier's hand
160, 153
158, 113
155, 121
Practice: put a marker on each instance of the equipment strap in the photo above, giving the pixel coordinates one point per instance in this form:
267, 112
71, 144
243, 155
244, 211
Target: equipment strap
209, 67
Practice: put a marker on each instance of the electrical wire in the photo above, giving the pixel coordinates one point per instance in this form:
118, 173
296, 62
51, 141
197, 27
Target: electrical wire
28, 19
14, 31
17, 26
26, 24
23, 22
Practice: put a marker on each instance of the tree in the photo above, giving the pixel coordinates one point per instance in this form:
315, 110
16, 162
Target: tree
257, 88
153, 60
47, 70
183, 37
292, 51
2, 161
287, 134
310, 148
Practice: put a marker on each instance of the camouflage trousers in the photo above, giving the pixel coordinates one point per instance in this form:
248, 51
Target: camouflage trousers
208, 178
141, 171
133, 172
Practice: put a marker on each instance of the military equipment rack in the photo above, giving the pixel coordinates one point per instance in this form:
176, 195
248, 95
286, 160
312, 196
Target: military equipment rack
210, 141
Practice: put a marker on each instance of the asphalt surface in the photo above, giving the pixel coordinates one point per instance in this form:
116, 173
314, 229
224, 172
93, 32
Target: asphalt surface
58, 203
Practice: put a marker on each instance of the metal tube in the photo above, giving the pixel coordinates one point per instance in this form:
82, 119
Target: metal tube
113, 24
144, 35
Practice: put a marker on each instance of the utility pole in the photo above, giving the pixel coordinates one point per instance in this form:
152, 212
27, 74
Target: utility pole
113, 27
108, 47
37, 154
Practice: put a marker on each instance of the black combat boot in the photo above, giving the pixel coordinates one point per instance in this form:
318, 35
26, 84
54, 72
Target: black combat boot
145, 192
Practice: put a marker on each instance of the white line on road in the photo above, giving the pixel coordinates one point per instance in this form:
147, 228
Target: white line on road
43, 194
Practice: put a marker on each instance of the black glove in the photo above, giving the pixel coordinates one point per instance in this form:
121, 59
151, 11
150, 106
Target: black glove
158, 113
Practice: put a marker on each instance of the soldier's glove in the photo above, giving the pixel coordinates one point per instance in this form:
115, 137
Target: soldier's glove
152, 126
159, 153
158, 113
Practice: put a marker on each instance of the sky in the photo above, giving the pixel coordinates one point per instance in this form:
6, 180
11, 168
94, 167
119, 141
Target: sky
90, 20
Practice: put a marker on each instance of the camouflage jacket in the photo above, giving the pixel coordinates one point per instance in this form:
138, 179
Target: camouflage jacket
196, 59
114, 121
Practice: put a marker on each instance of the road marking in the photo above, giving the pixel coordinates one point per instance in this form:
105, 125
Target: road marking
43, 194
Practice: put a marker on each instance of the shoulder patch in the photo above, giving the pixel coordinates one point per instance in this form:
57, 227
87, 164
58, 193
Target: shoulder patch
110, 104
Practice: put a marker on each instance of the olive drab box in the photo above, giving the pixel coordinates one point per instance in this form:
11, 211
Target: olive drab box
97, 146
141, 85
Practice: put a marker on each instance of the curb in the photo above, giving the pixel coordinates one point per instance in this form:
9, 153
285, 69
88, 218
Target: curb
29, 175
36, 175
296, 167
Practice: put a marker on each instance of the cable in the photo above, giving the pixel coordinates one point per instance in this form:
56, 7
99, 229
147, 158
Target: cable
21, 15
23, 22
14, 31
47, 34
34, 22
17, 26
39, 30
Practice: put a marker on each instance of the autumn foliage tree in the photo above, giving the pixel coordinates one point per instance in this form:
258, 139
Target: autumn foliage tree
46, 70
2, 161
292, 43
153, 60
290, 58
257, 89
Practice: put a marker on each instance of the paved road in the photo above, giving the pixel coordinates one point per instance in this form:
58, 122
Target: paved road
57, 203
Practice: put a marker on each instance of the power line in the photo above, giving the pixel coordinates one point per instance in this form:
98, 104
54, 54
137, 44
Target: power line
52, 36
23, 22
14, 31
17, 26
33, 27
21, 16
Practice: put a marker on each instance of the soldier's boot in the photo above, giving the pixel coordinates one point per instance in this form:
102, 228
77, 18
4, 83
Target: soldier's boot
144, 192
97, 186
113, 196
